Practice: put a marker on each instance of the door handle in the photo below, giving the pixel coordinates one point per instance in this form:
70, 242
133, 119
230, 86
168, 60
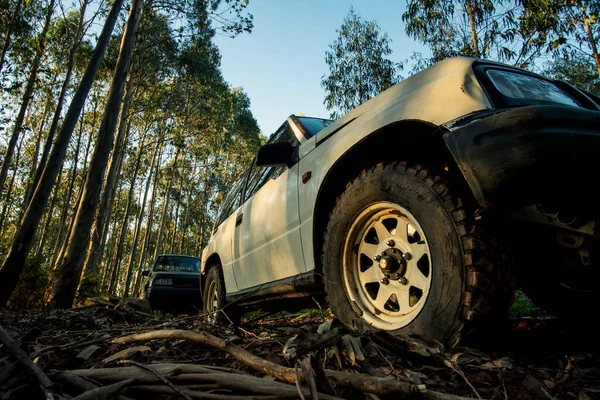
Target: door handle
238, 219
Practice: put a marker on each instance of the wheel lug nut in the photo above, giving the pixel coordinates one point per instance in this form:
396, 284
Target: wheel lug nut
403, 280
384, 281
377, 258
390, 243
407, 256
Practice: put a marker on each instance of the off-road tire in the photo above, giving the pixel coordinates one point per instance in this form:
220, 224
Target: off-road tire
214, 298
472, 275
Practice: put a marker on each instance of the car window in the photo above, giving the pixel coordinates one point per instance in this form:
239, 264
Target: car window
314, 125
520, 86
259, 176
177, 264
232, 200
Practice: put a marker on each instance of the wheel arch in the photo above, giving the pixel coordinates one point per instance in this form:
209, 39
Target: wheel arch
409, 140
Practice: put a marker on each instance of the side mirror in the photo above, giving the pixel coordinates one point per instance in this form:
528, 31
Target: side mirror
145, 272
276, 154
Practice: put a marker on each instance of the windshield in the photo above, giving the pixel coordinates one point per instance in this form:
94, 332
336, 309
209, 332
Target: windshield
526, 87
314, 125
177, 264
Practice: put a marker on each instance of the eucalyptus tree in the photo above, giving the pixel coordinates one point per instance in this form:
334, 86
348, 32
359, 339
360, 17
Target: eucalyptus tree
576, 69
14, 14
27, 93
138, 227
71, 265
72, 28
569, 29
13, 264
359, 67
482, 29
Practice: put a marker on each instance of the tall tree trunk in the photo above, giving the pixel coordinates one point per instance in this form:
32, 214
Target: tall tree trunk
61, 98
15, 261
72, 264
11, 185
67, 203
149, 224
165, 209
182, 248
175, 222
36, 152
139, 227
119, 253
590, 33
105, 207
107, 270
49, 214
123, 234
110, 208
473, 28
9, 32
27, 95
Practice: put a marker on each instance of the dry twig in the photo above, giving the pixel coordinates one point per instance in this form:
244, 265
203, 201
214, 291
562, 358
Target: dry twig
24, 359
358, 382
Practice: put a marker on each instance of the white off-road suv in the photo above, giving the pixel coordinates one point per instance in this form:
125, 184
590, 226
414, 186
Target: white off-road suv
413, 212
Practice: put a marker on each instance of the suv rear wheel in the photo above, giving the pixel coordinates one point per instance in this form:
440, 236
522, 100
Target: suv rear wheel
213, 300
402, 254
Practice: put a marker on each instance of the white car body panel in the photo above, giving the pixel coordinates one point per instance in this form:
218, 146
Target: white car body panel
267, 243
221, 243
429, 96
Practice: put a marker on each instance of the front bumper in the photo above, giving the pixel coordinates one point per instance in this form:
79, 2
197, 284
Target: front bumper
166, 297
530, 155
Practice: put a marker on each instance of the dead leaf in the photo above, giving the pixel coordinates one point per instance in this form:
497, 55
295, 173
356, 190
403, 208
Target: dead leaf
503, 362
549, 384
357, 345
126, 353
325, 327
289, 350
86, 353
350, 354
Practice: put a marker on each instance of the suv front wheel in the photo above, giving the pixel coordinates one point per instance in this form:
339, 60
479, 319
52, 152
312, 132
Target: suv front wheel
401, 253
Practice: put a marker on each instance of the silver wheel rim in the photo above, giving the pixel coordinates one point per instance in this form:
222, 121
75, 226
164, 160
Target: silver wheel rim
386, 266
212, 302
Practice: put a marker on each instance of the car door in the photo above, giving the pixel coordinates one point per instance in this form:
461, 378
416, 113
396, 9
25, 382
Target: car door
267, 242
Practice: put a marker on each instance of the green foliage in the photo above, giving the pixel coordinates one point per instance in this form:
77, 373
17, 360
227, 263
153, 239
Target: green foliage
577, 70
460, 27
358, 65
523, 307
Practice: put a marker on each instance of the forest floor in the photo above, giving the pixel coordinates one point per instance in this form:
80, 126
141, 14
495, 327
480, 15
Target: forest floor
116, 349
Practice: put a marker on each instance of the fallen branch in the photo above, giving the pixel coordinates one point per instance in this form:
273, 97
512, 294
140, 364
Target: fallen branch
103, 392
179, 373
361, 382
79, 383
24, 359
199, 395
159, 376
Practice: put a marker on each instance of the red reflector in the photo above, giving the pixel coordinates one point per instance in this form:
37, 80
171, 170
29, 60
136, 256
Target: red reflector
306, 176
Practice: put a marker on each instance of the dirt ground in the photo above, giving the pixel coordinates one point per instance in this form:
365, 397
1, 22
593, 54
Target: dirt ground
78, 354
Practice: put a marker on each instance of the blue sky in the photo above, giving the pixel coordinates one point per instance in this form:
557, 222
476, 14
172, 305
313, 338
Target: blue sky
280, 64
